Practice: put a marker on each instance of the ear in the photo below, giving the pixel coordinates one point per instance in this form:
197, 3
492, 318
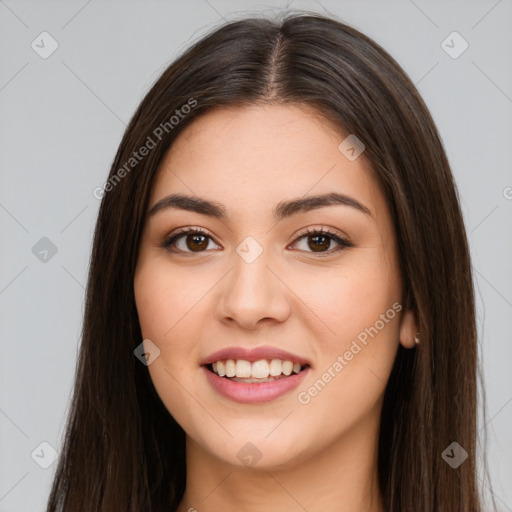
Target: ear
408, 329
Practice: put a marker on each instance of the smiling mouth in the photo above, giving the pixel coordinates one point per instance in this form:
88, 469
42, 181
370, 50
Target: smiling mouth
258, 372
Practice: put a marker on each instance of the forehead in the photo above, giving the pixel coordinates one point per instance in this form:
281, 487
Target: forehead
251, 158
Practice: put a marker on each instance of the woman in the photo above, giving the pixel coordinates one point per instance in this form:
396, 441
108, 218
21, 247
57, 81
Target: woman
280, 310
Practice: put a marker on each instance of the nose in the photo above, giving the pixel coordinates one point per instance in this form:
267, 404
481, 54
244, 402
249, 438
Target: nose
253, 293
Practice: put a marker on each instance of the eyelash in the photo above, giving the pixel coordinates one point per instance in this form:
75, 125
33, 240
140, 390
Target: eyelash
343, 244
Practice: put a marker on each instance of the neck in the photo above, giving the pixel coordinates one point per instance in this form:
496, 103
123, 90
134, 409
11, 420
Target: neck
343, 477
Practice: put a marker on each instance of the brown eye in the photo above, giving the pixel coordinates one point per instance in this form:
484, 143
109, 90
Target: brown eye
195, 240
319, 241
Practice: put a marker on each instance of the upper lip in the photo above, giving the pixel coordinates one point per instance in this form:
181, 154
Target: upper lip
254, 354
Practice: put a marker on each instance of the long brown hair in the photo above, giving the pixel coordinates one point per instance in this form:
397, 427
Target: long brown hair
122, 448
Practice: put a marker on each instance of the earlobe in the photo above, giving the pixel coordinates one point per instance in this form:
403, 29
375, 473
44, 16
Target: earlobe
409, 335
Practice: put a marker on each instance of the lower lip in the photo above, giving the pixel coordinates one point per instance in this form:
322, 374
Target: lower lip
254, 393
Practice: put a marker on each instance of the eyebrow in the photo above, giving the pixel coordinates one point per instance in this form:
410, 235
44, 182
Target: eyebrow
282, 210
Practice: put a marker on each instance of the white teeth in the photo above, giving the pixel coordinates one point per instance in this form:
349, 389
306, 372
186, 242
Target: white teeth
261, 369
276, 367
230, 368
287, 367
243, 369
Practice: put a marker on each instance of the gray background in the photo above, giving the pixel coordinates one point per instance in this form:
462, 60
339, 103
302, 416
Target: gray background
62, 118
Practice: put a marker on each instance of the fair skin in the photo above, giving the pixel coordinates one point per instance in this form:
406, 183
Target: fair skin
315, 455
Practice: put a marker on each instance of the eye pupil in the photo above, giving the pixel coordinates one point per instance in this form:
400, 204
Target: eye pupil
316, 245
195, 238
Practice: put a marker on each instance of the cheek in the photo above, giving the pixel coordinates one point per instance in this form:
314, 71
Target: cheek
356, 323
168, 305
164, 305
345, 300
352, 372
163, 300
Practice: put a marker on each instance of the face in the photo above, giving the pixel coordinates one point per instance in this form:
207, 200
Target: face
316, 285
